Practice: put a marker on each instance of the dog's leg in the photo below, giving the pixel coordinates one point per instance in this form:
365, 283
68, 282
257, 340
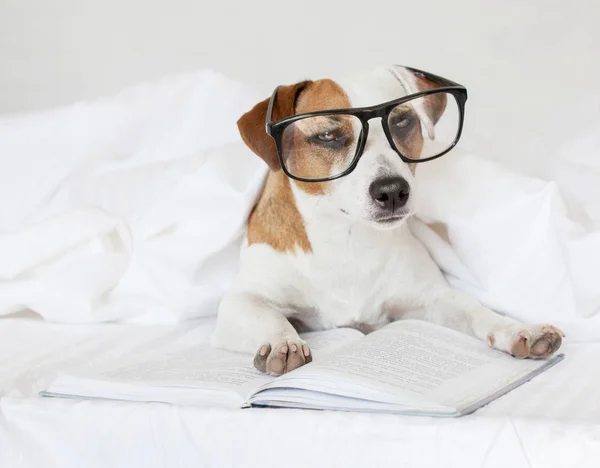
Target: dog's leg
249, 323
459, 311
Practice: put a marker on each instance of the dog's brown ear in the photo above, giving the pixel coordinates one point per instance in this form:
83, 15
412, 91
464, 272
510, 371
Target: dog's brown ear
435, 104
252, 124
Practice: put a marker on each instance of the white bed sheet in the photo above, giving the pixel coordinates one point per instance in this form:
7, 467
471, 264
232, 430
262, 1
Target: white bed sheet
552, 421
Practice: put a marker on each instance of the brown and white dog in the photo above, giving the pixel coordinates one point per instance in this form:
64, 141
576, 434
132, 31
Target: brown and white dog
320, 255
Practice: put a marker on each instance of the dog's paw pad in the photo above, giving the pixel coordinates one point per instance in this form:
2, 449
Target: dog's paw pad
536, 341
282, 357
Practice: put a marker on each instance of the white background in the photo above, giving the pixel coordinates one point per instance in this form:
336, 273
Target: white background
55, 52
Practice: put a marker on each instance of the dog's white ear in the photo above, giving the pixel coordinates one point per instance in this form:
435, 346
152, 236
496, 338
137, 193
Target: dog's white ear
252, 124
430, 108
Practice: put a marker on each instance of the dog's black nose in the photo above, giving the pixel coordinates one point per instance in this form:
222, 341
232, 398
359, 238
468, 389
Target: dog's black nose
390, 193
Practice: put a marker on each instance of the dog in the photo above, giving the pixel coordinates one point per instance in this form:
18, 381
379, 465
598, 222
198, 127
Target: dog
338, 253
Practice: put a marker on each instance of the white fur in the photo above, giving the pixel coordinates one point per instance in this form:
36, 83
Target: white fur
358, 273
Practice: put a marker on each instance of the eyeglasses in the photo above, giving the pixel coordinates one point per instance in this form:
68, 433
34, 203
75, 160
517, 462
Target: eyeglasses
325, 145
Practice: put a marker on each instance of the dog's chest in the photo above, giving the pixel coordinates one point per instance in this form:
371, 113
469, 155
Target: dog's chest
342, 295
344, 281
347, 282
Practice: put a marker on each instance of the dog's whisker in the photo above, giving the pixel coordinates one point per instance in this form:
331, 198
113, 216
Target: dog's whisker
316, 205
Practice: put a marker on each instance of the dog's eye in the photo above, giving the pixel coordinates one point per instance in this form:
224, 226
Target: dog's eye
326, 136
330, 139
402, 125
403, 122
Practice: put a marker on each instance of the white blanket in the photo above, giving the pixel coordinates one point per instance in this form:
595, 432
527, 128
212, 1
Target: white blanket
132, 208
126, 208
545, 423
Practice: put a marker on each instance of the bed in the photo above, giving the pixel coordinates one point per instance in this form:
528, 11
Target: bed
116, 243
553, 421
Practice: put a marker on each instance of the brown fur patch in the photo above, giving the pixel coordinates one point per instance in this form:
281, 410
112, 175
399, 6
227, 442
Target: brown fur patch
319, 95
410, 144
275, 220
434, 104
322, 95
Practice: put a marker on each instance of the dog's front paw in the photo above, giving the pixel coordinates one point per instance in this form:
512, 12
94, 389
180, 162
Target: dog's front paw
281, 357
528, 341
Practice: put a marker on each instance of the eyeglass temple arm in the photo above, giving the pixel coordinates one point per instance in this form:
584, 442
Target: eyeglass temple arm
269, 118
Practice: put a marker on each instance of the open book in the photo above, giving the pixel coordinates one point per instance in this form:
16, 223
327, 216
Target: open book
409, 367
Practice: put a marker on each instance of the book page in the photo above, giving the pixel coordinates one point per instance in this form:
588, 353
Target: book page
184, 365
200, 366
418, 361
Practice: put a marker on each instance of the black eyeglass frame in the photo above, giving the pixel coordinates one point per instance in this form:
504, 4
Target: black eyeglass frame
364, 114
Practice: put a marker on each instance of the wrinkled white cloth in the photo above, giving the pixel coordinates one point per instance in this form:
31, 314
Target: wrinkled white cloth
525, 238
512, 243
132, 208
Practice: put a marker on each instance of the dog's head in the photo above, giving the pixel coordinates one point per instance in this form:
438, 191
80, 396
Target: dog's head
379, 190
